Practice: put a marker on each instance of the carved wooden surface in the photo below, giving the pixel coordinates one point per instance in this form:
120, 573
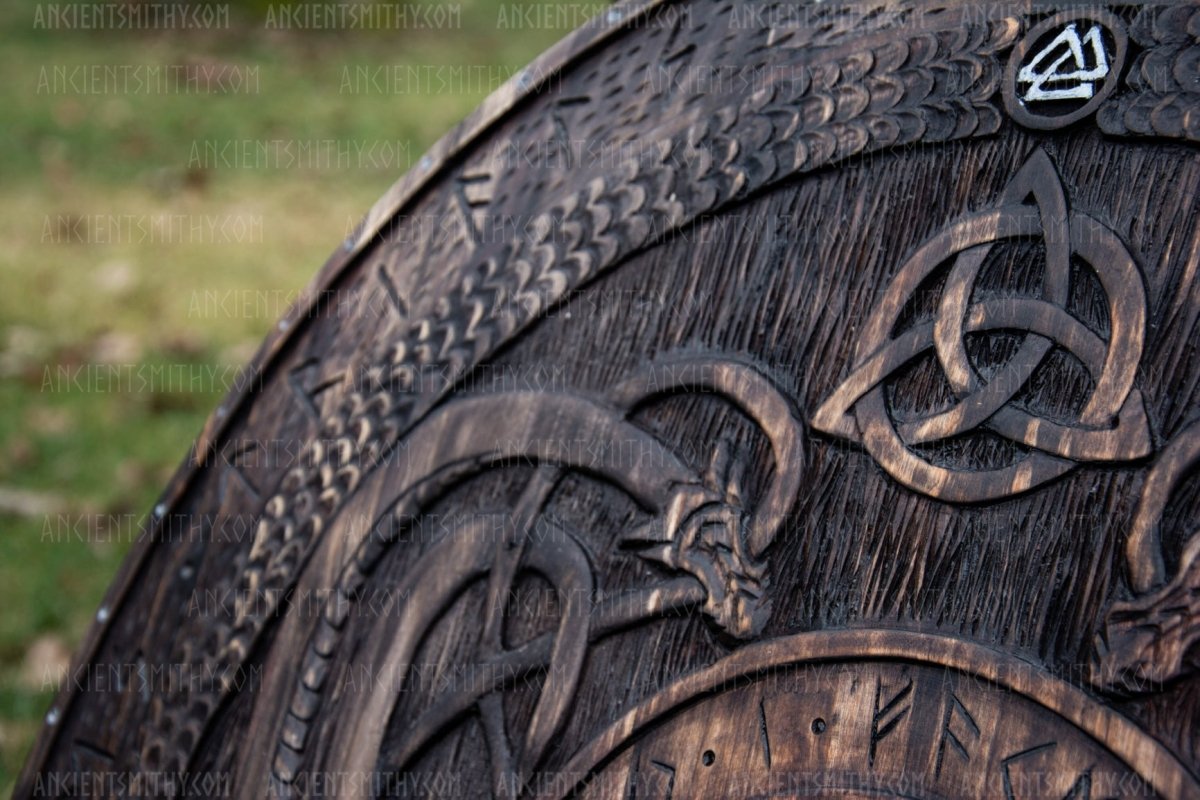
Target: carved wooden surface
830, 428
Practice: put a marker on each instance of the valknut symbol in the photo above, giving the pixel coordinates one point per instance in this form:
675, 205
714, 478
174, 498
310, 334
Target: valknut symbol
1108, 425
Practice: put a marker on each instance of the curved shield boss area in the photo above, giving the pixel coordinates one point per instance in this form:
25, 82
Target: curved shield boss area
792, 399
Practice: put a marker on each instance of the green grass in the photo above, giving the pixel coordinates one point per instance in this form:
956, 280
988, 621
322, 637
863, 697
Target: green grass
70, 301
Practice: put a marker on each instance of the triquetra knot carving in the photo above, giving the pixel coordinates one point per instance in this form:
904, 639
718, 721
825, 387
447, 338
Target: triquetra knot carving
1112, 424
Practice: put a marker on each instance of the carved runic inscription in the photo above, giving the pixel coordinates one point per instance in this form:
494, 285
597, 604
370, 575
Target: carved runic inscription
1015, 777
890, 491
956, 739
950, 731
886, 718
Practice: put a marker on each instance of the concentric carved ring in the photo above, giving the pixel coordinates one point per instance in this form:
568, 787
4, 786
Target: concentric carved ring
1112, 426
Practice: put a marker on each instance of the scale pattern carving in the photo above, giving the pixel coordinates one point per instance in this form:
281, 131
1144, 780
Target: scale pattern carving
1164, 79
938, 84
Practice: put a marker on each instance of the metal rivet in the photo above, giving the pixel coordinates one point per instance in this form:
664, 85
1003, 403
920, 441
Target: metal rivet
52, 717
283, 324
102, 614
159, 510
426, 163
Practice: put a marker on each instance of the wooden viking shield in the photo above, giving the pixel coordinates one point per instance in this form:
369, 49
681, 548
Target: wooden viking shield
748, 400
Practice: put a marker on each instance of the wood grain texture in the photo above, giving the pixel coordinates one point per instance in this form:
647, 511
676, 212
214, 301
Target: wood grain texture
841, 370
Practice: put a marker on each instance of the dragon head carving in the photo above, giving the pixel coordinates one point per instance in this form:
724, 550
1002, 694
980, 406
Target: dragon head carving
703, 533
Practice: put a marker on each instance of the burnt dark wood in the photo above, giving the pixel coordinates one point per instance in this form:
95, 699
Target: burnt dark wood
748, 399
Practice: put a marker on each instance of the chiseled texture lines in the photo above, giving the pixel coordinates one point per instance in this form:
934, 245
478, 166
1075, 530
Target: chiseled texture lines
934, 84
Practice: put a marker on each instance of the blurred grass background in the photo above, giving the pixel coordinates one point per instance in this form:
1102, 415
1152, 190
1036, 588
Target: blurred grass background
80, 465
